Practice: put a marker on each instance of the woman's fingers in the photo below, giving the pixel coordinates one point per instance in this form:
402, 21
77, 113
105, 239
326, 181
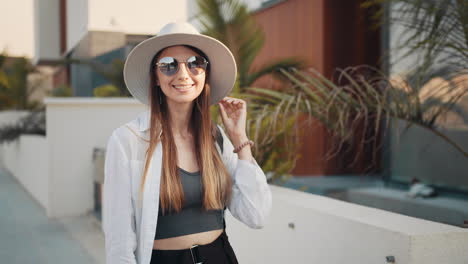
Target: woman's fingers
222, 109
233, 103
228, 106
232, 106
223, 106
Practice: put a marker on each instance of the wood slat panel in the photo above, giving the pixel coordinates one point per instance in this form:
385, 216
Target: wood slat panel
326, 34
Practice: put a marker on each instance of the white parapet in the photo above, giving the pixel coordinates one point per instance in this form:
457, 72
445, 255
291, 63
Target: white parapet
7, 118
75, 126
307, 228
27, 160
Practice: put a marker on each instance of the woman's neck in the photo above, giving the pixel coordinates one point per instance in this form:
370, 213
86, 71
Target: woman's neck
180, 118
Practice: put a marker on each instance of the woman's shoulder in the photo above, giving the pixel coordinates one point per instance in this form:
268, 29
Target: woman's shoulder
131, 138
133, 130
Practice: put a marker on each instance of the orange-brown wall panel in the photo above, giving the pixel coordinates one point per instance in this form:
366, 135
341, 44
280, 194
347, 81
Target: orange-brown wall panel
326, 34
295, 28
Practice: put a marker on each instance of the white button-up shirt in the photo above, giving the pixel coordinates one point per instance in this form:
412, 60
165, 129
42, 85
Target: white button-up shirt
129, 226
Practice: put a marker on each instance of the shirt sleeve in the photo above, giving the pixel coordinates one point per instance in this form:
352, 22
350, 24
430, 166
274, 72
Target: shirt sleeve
118, 211
251, 200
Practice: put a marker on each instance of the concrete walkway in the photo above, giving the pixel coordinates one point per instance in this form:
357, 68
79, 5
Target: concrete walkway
28, 236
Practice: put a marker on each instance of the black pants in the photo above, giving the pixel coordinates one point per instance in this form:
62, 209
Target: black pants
216, 252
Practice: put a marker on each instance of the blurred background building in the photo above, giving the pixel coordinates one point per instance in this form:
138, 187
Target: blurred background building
77, 49
327, 34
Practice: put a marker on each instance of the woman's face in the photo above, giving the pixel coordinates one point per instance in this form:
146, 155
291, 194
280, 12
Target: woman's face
182, 87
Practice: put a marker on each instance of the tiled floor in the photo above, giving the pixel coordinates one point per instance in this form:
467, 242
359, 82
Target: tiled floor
28, 236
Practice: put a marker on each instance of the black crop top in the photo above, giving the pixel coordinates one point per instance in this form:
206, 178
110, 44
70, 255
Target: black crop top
192, 218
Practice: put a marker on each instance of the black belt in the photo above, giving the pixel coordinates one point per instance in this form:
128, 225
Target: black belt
195, 253
198, 253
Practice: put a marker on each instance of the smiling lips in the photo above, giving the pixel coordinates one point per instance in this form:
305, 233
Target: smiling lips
183, 87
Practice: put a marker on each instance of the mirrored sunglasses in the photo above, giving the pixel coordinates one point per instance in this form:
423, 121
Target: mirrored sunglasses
170, 66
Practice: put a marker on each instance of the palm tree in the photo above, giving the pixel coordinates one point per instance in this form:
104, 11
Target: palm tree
272, 127
369, 95
435, 29
230, 22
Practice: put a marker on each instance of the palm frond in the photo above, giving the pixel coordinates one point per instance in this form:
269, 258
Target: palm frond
436, 29
370, 100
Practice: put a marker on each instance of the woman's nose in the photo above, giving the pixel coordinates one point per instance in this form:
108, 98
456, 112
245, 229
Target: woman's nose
183, 73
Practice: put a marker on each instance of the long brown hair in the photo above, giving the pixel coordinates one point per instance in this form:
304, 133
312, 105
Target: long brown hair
215, 179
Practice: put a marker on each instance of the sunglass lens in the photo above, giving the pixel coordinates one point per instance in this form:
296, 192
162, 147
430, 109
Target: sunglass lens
197, 64
168, 65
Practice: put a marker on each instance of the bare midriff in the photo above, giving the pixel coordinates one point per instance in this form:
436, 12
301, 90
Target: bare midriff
186, 241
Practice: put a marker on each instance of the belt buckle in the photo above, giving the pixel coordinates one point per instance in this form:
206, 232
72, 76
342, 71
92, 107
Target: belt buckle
195, 254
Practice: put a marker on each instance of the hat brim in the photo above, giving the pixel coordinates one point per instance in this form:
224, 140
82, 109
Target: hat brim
223, 68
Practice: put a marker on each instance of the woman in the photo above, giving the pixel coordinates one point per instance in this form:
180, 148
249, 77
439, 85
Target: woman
170, 173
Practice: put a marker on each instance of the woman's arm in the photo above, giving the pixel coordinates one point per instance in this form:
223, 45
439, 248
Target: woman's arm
251, 196
118, 211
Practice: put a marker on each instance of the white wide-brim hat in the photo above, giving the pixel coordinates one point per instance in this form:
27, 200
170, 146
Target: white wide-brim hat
223, 68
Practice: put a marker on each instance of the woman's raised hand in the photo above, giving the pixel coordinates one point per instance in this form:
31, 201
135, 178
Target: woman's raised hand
234, 114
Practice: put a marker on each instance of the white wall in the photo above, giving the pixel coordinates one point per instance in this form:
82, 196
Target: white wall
30, 150
74, 127
28, 160
135, 17
77, 22
11, 116
30, 28
17, 28
130, 17
402, 64
58, 170
335, 232
47, 30
8, 117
